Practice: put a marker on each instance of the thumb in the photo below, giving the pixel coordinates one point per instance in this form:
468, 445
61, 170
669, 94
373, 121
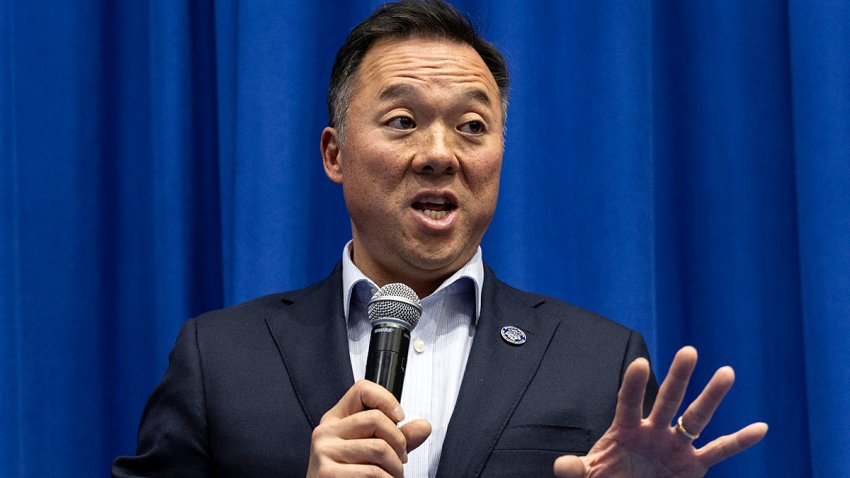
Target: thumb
569, 466
415, 431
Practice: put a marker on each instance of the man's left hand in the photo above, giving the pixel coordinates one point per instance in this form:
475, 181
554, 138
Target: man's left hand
650, 447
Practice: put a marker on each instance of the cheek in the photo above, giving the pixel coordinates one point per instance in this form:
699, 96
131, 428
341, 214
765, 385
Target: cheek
484, 177
377, 161
371, 182
365, 174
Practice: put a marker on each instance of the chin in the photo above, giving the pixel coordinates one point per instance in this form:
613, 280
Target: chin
437, 261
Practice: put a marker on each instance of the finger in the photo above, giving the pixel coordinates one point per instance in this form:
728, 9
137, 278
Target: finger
365, 395
344, 469
730, 445
673, 388
569, 466
369, 424
362, 470
415, 433
630, 399
699, 413
372, 451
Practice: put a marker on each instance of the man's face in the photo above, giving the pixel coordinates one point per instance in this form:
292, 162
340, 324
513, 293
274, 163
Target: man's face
420, 160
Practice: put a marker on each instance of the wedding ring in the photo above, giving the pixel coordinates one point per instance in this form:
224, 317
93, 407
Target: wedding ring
681, 429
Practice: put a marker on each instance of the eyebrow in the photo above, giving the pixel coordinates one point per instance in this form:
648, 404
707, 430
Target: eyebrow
397, 91
479, 96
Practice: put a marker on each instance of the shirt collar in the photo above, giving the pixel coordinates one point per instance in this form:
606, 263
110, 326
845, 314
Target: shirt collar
352, 275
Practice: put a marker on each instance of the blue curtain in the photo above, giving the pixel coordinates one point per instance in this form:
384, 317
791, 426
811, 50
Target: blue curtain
681, 167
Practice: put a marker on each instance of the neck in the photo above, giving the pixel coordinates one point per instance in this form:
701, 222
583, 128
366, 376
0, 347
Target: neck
424, 283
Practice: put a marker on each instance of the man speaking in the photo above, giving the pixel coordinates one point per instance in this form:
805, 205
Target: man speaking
498, 382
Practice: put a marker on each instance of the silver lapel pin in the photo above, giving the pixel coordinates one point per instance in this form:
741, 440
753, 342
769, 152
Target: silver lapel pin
513, 335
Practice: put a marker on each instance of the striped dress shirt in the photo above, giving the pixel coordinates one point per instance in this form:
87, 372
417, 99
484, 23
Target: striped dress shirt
439, 348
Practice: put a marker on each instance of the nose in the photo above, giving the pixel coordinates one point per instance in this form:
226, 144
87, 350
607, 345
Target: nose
436, 155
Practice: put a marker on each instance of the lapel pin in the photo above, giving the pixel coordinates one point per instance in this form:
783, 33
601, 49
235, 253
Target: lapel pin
513, 335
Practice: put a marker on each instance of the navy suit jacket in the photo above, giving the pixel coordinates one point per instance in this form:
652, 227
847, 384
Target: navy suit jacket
246, 386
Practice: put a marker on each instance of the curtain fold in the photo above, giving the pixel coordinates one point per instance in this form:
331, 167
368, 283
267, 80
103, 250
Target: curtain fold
820, 67
680, 167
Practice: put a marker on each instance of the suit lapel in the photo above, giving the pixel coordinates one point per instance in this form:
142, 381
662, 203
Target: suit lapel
311, 337
496, 376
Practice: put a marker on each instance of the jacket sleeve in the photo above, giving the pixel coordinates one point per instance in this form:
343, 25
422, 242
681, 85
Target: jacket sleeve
173, 438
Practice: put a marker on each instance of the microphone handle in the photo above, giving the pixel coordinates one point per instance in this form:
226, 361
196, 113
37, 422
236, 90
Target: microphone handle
387, 357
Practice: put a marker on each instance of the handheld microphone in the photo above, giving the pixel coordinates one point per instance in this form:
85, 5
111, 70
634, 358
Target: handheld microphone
393, 311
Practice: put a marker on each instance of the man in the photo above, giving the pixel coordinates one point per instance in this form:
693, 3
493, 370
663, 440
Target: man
417, 110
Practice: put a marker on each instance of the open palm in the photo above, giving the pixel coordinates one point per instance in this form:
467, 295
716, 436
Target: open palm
637, 447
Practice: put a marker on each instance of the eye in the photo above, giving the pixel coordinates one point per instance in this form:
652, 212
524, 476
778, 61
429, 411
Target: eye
402, 122
472, 127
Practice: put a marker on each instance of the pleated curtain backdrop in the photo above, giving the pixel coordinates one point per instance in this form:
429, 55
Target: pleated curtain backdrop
682, 167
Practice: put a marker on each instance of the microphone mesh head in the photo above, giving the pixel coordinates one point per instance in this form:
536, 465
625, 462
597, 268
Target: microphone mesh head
395, 301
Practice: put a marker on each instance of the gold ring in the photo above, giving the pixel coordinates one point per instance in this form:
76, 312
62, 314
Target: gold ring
681, 429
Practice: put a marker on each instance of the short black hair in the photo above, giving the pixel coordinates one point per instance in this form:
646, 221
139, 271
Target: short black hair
407, 19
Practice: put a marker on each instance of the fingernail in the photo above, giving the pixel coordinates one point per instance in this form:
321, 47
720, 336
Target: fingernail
404, 457
398, 413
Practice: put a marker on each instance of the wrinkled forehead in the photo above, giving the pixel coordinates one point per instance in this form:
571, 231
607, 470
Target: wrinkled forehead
426, 63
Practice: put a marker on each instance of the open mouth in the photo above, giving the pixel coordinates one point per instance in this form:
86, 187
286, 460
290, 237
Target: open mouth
435, 207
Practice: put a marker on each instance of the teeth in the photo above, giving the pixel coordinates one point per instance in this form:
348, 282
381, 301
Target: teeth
433, 200
435, 214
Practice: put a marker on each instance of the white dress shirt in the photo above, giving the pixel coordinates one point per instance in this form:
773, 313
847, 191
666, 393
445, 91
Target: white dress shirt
439, 348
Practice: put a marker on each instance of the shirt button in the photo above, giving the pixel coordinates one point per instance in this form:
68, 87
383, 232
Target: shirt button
419, 346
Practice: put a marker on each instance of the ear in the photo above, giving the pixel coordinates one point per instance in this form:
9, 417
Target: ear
330, 154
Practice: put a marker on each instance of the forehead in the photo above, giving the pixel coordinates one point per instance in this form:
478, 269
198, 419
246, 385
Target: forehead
426, 63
